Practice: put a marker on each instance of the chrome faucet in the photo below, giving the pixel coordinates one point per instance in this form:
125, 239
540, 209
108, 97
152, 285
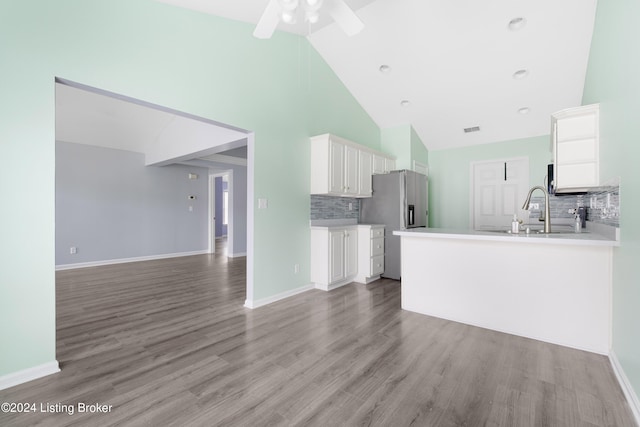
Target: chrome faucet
547, 215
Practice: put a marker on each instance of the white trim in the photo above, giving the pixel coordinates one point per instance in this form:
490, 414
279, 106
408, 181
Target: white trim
264, 301
229, 160
335, 285
125, 260
250, 215
29, 374
366, 280
625, 384
237, 255
231, 211
211, 214
420, 168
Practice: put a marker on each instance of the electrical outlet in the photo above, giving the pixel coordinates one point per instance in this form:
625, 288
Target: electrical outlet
535, 206
73, 250
296, 268
350, 206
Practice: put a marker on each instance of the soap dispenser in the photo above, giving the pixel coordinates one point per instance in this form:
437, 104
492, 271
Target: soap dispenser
578, 223
515, 225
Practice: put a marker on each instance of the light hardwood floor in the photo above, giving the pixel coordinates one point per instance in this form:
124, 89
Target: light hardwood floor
168, 342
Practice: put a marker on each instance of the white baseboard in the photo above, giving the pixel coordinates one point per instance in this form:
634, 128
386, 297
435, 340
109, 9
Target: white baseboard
125, 260
336, 285
366, 280
29, 374
278, 297
630, 394
237, 255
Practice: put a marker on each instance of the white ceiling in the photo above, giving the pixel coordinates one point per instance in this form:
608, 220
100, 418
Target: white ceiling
453, 60
95, 117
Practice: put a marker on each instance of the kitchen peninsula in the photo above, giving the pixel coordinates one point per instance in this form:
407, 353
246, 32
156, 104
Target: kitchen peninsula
551, 287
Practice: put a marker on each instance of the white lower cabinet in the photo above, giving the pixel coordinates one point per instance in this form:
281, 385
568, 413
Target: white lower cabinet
334, 256
370, 253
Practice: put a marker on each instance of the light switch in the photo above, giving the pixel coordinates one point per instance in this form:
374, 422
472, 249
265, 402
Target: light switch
263, 203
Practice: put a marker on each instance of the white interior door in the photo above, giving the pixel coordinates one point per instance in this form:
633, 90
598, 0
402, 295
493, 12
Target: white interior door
500, 188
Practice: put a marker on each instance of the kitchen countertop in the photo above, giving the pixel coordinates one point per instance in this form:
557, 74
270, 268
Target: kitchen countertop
329, 223
593, 237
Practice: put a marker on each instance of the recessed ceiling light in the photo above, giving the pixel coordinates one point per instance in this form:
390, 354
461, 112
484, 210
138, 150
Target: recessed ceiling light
524, 110
517, 23
404, 103
385, 69
520, 74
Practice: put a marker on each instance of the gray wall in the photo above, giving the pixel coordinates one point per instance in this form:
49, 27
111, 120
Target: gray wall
110, 206
238, 202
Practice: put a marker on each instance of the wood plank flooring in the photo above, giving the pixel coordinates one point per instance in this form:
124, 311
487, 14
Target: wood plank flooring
169, 342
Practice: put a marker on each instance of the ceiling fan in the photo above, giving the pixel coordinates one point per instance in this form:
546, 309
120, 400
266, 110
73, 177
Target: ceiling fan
287, 10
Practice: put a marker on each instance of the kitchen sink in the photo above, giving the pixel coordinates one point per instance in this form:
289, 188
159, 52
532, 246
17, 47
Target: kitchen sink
537, 232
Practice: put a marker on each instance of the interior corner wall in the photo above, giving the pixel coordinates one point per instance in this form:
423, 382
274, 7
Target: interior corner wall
396, 141
404, 143
110, 206
419, 151
449, 180
613, 81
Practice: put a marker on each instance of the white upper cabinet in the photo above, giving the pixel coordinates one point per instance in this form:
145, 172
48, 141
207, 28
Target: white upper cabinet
575, 139
378, 165
335, 167
351, 171
343, 168
389, 165
365, 166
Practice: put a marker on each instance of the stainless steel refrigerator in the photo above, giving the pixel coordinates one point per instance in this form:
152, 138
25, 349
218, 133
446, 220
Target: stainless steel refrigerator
399, 202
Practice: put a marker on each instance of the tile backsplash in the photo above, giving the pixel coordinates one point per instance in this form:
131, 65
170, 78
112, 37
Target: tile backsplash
330, 207
602, 203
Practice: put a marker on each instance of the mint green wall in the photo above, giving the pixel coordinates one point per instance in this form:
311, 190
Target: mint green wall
404, 143
613, 80
396, 142
204, 65
419, 152
449, 175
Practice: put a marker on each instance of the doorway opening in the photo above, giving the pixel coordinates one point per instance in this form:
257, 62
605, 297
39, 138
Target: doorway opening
145, 212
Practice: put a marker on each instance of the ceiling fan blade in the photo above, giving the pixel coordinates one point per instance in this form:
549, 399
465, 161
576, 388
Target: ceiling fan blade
344, 17
268, 21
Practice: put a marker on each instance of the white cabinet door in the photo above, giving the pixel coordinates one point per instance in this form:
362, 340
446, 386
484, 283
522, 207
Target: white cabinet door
336, 167
378, 164
389, 165
351, 252
370, 253
575, 134
365, 166
351, 176
336, 255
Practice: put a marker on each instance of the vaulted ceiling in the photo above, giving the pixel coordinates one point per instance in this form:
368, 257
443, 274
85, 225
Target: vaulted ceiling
439, 65
446, 65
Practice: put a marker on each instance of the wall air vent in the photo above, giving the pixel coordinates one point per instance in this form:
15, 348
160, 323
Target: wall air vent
472, 129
